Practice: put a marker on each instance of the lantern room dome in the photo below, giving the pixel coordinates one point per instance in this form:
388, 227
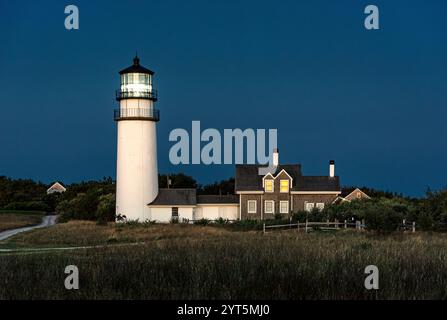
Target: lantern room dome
136, 68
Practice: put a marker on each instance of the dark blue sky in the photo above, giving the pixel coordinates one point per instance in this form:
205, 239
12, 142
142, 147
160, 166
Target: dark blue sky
375, 101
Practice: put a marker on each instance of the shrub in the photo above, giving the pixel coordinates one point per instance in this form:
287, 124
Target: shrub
222, 221
202, 222
28, 206
382, 219
247, 224
106, 208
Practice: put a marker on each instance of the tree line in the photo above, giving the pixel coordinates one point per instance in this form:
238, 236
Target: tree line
95, 200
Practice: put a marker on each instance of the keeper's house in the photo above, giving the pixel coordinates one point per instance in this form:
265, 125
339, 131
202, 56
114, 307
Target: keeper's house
278, 193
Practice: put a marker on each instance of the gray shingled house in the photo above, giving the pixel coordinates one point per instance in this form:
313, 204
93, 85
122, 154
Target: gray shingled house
282, 192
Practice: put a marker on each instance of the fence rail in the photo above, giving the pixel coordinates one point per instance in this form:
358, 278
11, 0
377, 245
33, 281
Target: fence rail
336, 225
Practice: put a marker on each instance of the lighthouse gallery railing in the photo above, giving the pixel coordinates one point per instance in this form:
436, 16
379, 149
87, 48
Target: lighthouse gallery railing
136, 114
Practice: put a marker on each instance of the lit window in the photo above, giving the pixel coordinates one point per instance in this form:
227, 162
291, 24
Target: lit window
269, 206
359, 195
251, 206
320, 206
284, 185
284, 206
268, 185
309, 206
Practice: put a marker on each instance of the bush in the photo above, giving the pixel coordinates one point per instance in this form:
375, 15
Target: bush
247, 224
28, 206
202, 222
106, 208
222, 221
382, 219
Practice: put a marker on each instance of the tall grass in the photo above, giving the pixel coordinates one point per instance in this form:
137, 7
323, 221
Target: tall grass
15, 220
236, 265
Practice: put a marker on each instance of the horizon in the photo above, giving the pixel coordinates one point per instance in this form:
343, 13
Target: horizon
375, 101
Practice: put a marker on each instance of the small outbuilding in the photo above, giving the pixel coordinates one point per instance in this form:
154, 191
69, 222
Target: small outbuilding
56, 188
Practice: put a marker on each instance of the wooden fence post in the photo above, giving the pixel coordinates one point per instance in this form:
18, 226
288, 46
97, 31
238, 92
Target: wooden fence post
414, 226
306, 225
298, 225
357, 225
346, 224
363, 224
290, 222
336, 223
263, 228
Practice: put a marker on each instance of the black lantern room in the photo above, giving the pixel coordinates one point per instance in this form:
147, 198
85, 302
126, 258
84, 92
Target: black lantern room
136, 83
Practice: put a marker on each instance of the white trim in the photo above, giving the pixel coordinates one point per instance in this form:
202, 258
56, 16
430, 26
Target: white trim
217, 204
358, 190
341, 199
273, 206
57, 186
263, 178
288, 184
171, 205
273, 186
248, 206
280, 203
262, 206
291, 179
316, 192
249, 192
305, 206
240, 208
319, 204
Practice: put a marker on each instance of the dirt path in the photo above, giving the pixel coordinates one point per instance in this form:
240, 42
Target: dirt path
46, 222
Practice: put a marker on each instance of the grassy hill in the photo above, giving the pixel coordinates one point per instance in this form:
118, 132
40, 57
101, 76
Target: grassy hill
204, 262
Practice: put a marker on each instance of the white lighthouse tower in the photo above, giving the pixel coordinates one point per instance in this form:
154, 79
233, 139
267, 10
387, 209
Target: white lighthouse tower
137, 174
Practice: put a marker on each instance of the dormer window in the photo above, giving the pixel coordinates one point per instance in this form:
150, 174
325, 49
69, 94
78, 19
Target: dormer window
284, 186
268, 185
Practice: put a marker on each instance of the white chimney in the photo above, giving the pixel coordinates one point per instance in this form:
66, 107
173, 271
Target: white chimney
275, 157
332, 168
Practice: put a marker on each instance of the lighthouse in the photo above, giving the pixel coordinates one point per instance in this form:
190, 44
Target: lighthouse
136, 118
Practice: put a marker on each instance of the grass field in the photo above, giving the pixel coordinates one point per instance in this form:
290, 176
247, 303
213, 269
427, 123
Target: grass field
196, 262
13, 219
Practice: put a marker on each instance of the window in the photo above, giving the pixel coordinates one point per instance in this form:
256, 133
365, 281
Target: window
359, 195
320, 206
175, 212
284, 207
251, 205
143, 78
268, 184
284, 185
269, 206
309, 206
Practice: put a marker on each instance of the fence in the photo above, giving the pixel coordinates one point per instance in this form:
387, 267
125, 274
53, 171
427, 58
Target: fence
336, 225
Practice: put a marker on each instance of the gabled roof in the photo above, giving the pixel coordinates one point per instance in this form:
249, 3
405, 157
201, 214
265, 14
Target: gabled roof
175, 197
248, 178
217, 199
136, 68
57, 186
317, 183
353, 195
